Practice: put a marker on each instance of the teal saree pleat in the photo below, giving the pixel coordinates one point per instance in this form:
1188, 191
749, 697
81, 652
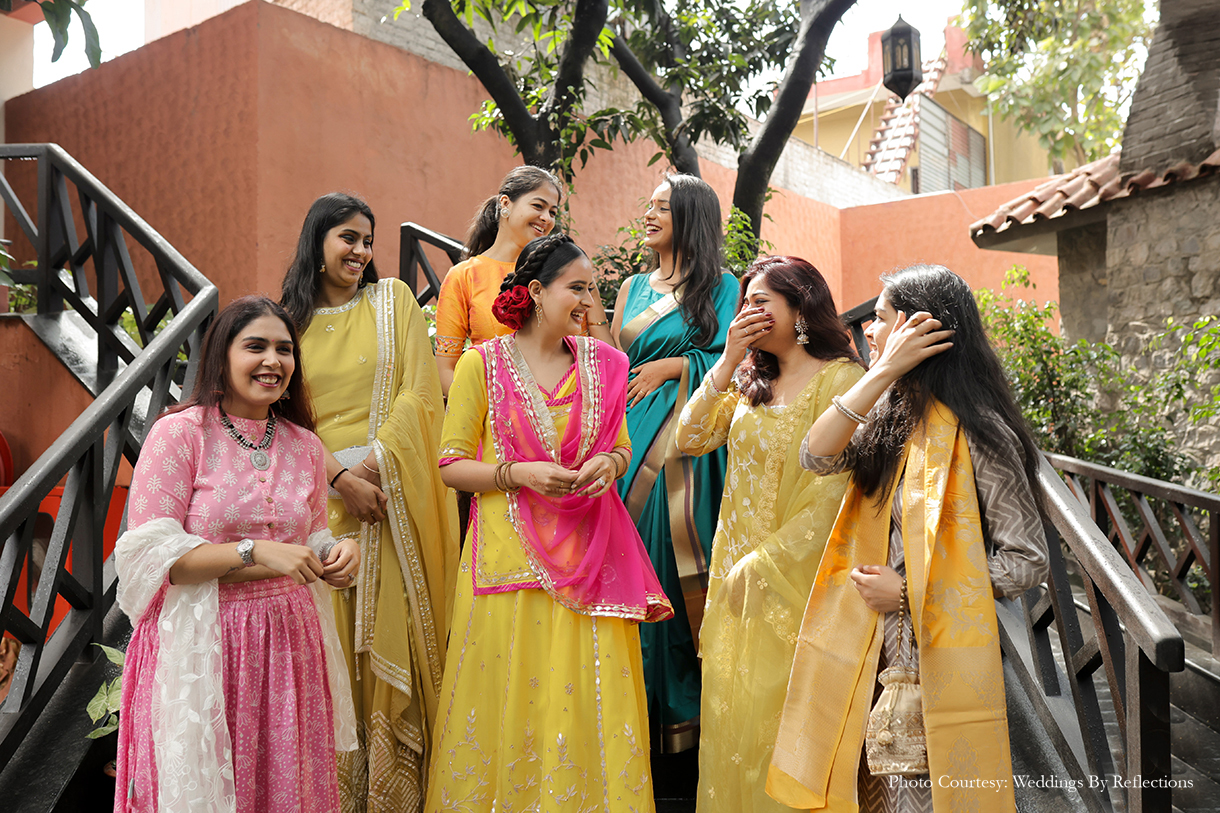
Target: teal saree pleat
673, 498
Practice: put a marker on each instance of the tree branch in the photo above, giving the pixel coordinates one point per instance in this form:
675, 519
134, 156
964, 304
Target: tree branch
667, 102
588, 20
756, 164
484, 65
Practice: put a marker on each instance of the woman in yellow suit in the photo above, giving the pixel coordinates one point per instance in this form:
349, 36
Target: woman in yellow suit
774, 517
543, 701
369, 367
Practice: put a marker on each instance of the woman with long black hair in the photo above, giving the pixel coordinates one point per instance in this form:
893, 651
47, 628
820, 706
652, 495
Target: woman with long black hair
671, 323
369, 366
941, 517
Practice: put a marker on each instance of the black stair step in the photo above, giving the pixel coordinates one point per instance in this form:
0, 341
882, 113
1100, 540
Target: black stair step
1196, 689
1200, 796
1195, 744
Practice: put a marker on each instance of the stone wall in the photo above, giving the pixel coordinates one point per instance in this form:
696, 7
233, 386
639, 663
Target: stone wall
1083, 283
1163, 256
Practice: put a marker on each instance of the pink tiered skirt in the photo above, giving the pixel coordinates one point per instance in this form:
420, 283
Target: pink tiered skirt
277, 702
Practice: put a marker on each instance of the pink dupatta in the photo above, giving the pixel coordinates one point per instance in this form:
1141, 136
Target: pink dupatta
584, 552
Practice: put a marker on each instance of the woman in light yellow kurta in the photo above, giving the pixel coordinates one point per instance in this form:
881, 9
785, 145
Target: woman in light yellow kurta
543, 700
774, 517
376, 393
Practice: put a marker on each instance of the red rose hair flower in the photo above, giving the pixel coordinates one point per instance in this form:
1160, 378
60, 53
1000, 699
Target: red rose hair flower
513, 307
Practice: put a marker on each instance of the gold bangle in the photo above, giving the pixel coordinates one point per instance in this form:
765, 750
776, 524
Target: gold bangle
508, 473
599, 324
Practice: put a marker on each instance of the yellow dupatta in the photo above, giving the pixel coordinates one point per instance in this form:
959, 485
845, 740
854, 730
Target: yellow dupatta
834, 672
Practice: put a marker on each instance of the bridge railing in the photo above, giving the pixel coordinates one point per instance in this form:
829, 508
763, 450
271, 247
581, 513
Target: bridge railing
86, 290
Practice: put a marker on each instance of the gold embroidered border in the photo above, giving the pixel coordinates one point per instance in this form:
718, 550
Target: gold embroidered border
647, 318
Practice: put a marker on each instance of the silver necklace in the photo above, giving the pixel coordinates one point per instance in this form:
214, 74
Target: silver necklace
258, 454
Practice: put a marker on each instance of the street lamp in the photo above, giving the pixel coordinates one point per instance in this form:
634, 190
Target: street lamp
900, 58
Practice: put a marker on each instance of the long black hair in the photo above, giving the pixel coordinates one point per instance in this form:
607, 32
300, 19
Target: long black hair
807, 293
967, 378
300, 286
486, 224
698, 241
212, 381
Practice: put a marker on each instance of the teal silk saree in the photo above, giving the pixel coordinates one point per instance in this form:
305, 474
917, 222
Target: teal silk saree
673, 498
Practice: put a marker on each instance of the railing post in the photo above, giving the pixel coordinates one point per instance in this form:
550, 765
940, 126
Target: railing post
1149, 766
406, 259
1213, 534
49, 299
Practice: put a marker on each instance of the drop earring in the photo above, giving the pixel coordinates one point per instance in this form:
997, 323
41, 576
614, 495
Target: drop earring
322, 270
538, 311
802, 334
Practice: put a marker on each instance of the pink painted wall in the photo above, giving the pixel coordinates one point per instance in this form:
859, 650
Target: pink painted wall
935, 229
221, 135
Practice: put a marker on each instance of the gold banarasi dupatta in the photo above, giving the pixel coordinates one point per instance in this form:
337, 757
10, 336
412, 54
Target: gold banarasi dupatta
835, 669
404, 591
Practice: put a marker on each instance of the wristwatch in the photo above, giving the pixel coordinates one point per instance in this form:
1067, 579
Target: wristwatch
245, 549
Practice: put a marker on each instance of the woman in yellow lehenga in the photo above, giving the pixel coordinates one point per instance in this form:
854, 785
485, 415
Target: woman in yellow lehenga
774, 518
543, 704
939, 519
369, 367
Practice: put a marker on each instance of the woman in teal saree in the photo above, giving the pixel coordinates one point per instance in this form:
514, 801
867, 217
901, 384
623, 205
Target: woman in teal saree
671, 323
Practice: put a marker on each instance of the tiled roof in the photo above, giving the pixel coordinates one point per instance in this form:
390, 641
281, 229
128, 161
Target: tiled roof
895, 137
1084, 188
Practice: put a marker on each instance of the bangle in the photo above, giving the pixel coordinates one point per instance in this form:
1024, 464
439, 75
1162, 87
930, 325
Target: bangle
619, 455
613, 461
508, 473
599, 324
368, 468
847, 411
337, 476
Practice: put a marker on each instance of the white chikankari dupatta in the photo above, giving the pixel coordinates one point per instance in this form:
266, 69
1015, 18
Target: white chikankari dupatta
190, 735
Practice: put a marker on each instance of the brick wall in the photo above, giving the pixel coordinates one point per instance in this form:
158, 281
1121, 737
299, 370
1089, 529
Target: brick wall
1174, 111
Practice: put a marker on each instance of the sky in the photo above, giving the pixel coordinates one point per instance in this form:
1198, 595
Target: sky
848, 42
120, 25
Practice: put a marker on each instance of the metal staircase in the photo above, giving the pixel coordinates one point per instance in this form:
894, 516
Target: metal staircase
91, 253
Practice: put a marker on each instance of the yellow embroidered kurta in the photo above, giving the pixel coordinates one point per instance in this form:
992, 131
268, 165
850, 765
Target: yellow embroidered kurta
369, 361
542, 708
463, 309
775, 518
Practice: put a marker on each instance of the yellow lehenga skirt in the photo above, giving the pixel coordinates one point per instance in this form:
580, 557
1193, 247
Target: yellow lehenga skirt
541, 708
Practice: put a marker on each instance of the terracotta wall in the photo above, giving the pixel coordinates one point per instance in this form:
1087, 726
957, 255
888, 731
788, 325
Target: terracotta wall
221, 135
934, 228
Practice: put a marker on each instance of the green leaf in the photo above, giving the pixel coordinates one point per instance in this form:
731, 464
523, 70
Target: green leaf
99, 705
405, 5
93, 44
116, 656
111, 726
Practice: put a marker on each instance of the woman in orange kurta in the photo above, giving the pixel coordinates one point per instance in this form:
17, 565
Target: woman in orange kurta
525, 208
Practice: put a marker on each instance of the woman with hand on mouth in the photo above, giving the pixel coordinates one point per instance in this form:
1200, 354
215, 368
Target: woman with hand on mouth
671, 323
525, 208
787, 355
940, 519
235, 694
543, 698
369, 366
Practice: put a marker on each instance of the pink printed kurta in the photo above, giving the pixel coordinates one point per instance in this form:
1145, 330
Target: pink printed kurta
276, 693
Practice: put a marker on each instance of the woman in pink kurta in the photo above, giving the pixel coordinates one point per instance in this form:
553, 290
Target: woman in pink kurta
233, 687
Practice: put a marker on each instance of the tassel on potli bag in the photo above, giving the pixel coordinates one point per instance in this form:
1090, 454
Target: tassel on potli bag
895, 742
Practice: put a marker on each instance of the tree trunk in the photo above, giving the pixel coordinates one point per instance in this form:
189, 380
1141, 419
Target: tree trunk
755, 165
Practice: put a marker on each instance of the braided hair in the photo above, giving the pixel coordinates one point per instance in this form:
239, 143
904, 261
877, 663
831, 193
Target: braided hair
542, 259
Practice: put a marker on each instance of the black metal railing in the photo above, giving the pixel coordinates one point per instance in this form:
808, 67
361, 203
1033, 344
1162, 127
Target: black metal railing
1126, 637
131, 380
1177, 529
412, 259
855, 319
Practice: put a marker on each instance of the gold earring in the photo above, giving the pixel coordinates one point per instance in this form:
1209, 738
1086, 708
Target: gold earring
322, 270
538, 311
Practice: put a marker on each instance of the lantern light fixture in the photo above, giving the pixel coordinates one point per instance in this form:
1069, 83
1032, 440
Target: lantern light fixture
900, 58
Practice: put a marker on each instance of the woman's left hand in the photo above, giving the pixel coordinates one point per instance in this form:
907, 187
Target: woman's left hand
880, 586
650, 375
596, 476
339, 569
